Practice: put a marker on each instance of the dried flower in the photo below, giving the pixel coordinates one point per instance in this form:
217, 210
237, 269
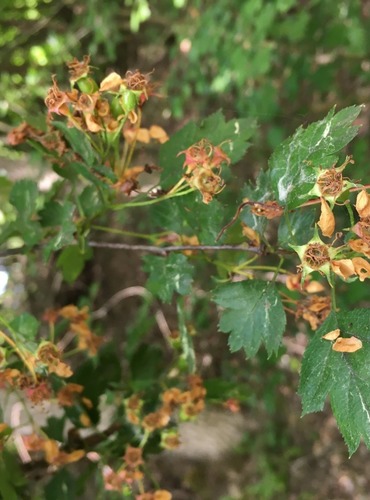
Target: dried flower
351, 344
314, 309
344, 268
67, 394
203, 162
363, 204
327, 220
333, 335
78, 69
268, 209
133, 457
50, 356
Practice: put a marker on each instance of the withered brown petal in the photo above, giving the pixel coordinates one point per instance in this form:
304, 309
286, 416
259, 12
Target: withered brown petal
327, 221
363, 204
351, 344
333, 335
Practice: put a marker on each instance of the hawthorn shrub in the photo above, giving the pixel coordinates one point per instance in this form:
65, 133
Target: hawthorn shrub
284, 244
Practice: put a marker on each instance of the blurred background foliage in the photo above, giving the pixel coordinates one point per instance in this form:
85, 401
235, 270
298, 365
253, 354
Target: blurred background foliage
278, 61
283, 62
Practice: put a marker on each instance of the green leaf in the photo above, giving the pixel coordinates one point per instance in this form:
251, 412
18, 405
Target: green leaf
55, 213
61, 486
141, 325
82, 170
60, 217
54, 428
26, 326
261, 192
23, 197
297, 227
90, 201
168, 275
234, 133
97, 375
253, 314
185, 337
71, 262
344, 377
29, 230
292, 174
24, 330
146, 365
78, 141
105, 172
6, 488
178, 215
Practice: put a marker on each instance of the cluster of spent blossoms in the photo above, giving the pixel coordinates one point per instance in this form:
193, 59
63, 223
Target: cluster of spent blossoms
51, 139
203, 163
346, 261
51, 450
124, 479
95, 108
78, 325
188, 403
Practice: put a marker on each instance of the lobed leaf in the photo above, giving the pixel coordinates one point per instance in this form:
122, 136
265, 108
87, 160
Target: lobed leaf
253, 315
291, 165
344, 377
168, 275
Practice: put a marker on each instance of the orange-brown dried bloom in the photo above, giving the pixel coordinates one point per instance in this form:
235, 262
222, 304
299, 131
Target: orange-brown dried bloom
78, 69
203, 163
56, 100
134, 402
327, 220
67, 394
56, 457
362, 229
171, 397
360, 246
314, 309
157, 495
10, 376
316, 255
135, 80
344, 268
72, 312
51, 316
156, 420
87, 340
363, 204
362, 268
345, 344
86, 102
190, 410
133, 457
38, 392
268, 209
330, 183
49, 355
19, 134
170, 440
114, 481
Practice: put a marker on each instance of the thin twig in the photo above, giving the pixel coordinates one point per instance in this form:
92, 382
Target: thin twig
174, 248
125, 293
